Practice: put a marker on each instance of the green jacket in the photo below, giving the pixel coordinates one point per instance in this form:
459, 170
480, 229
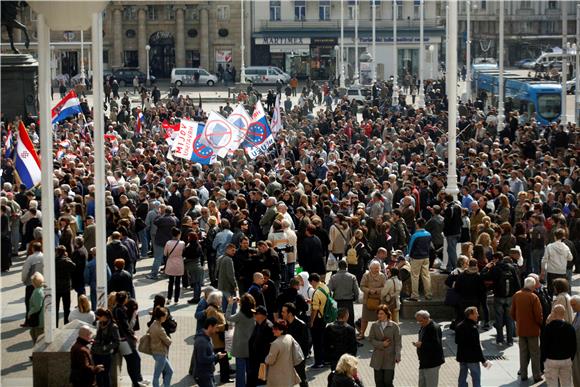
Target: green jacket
37, 304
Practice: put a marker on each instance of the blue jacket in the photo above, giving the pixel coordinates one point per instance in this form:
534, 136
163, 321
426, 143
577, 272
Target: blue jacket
205, 359
419, 244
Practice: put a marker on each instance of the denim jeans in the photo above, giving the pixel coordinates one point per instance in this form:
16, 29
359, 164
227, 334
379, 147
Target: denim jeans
162, 366
144, 238
157, 259
241, 364
475, 371
502, 306
452, 241
535, 259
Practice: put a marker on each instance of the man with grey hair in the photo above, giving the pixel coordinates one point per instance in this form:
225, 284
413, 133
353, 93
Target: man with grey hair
269, 215
429, 349
526, 311
575, 303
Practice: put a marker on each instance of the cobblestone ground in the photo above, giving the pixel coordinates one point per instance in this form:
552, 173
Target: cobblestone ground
16, 344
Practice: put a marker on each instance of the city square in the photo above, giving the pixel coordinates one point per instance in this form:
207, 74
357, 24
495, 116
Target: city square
275, 194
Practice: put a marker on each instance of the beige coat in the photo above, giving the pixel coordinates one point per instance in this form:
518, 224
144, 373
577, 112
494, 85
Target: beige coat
285, 354
371, 282
160, 342
338, 242
216, 339
385, 358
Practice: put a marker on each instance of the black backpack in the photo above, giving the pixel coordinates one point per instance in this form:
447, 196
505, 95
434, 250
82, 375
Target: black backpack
507, 282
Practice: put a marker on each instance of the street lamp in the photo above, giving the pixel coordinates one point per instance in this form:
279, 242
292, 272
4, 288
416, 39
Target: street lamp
421, 96
468, 54
431, 53
336, 71
374, 43
500, 104
394, 98
577, 86
342, 80
82, 58
242, 48
451, 70
356, 68
563, 116
148, 48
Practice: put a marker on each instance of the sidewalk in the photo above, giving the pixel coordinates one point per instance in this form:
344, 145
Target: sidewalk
16, 344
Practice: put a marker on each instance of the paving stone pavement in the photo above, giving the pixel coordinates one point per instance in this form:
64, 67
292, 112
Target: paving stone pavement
16, 369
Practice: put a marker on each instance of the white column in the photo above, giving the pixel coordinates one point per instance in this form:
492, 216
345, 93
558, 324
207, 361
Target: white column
468, 53
563, 116
374, 43
446, 43
577, 86
47, 191
500, 103
452, 101
395, 96
421, 96
242, 47
99, 139
342, 80
356, 70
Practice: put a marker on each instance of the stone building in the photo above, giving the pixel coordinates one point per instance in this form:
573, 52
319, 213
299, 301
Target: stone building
178, 34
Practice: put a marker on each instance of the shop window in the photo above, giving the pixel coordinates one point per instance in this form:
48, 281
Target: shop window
275, 10
324, 9
223, 12
299, 10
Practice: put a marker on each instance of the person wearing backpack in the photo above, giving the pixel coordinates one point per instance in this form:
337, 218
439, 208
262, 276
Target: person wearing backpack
317, 323
506, 283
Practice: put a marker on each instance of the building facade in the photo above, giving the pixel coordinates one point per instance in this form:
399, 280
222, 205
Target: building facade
530, 27
180, 34
303, 37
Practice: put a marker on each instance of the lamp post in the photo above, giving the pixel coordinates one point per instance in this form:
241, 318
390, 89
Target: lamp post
242, 48
452, 101
342, 80
336, 49
147, 49
394, 98
431, 53
577, 86
356, 68
374, 43
421, 96
563, 116
82, 58
468, 54
500, 103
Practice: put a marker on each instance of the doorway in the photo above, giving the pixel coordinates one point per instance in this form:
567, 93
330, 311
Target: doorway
162, 54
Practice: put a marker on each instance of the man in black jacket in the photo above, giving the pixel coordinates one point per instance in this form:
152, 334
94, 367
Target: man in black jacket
115, 250
290, 294
558, 348
121, 279
469, 352
311, 253
339, 338
259, 344
300, 332
429, 349
452, 229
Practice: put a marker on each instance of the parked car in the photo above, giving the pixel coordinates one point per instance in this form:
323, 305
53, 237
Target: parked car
266, 75
186, 76
525, 63
358, 94
125, 76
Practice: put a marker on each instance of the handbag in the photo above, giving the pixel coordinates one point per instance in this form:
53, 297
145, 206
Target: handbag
331, 263
373, 303
124, 348
262, 372
145, 344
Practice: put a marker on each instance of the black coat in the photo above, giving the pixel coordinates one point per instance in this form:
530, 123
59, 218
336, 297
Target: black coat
300, 332
259, 343
121, 280
310, 255
558, 341
64, 269
116, 250
470, 288
431, 352
339, 338
468, 345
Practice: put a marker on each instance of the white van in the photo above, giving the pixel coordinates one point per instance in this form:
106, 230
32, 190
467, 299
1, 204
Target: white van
265, 75
548, 57
186, 76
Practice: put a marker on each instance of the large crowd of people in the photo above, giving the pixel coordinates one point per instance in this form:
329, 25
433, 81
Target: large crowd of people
349, 206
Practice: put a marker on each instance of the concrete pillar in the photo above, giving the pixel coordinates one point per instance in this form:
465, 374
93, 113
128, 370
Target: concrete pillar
117, 59
204, 39
179, 37
142, 38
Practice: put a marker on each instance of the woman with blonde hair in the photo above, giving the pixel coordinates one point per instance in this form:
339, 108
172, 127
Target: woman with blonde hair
346, 373
213, 210
484, 240
467, 249
83, 311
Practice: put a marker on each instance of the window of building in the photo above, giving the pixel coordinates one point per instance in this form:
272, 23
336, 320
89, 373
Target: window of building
192, 33
551, 27
400, 9
223, 12
417, 9
223, 32
191, 13
169, 12
525, 4
299, 9
376, 4
350, 14
552, 5
275, 10
324, 9
483, 5
129, 13
105, 56
130, 34
152, 12
131, 58
192, 58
